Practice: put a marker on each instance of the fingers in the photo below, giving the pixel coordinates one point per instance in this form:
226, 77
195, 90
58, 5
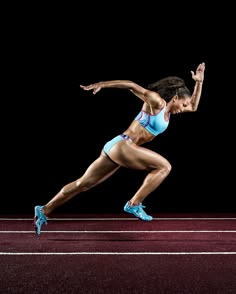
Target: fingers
83, 87
201, 66
89, 87
93, 87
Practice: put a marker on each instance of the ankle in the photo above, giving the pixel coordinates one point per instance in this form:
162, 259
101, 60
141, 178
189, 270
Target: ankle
45, 211
133, 203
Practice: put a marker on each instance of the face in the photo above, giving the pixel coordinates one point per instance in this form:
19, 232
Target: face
179, 105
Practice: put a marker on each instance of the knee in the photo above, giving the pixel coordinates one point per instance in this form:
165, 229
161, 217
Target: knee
82, 185
166, 169
73, 187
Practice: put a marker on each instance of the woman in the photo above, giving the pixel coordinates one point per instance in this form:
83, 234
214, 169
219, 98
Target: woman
161, 99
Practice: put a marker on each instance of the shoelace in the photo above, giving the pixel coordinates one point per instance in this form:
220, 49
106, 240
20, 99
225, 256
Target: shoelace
141, 211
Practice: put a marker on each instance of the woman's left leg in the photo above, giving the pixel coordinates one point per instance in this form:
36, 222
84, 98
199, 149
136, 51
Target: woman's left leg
131, 156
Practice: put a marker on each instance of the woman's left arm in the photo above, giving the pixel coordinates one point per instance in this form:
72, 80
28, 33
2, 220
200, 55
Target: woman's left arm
198, 78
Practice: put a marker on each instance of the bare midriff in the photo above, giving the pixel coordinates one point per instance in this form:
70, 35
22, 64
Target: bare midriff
138, 133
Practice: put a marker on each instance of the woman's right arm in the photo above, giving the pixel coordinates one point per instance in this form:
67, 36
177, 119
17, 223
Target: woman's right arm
150, 97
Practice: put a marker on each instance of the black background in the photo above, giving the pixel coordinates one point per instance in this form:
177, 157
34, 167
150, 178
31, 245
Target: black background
52, 130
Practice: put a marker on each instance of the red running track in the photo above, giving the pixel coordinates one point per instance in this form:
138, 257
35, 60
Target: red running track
119, 254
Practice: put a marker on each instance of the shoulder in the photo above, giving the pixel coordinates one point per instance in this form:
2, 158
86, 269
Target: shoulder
154, 99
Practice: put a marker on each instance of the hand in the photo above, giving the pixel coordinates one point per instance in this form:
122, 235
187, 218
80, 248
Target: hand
95, 87
199, 75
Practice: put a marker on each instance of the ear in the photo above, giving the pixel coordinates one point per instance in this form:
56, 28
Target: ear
175, 98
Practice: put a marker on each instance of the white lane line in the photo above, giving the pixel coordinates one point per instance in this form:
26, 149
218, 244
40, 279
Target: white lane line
117, 253
119, 219
114, 232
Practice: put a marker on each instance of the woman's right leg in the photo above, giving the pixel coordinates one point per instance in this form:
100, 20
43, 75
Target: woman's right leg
97, 172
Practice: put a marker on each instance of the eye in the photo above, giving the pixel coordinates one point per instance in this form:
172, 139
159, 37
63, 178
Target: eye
185, 105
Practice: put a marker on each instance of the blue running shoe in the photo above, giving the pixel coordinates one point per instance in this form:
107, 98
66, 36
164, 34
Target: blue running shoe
39, 219
138, 211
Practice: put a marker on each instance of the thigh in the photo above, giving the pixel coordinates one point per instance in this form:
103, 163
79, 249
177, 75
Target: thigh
100, 169
130, 155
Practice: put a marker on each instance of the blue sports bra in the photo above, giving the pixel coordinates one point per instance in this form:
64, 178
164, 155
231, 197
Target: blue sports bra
155, 124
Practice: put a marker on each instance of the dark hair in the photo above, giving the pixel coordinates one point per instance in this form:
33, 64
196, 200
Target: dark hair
169, 87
